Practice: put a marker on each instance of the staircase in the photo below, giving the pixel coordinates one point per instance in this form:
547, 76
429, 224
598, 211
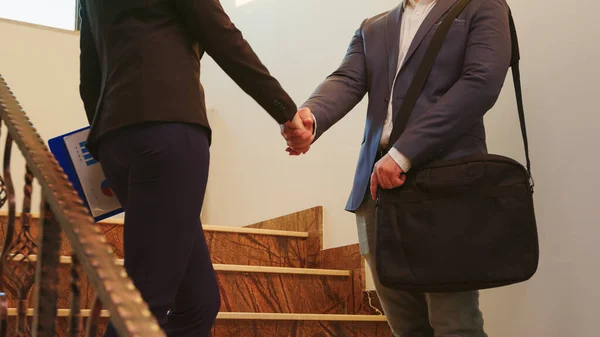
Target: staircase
275, 281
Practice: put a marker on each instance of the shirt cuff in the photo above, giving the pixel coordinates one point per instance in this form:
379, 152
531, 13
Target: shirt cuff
400, 159
314, 124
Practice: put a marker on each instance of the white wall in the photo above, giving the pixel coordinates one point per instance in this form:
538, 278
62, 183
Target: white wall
560, 81
41, 66
55, 13
302, 42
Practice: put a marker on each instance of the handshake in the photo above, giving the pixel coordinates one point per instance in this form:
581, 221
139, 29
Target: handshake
299, 135
299, 132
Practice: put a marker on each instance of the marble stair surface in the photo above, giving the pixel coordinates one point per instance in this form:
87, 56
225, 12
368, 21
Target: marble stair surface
275, 281
261, 325
251, 289
228, 245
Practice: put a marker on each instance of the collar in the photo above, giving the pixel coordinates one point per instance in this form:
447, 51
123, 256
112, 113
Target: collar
414, 3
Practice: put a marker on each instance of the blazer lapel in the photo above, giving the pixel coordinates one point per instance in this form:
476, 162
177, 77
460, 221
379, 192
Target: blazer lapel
392, 41
434, 17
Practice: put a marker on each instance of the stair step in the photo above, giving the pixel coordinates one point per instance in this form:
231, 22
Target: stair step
246, 316
229, 229
234, 324
207, 228
301, 328
232, 268
228, 245
252, 288
299, 317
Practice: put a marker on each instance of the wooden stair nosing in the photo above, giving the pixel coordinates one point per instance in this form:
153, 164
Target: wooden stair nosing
246, 316
233, 268
209, 228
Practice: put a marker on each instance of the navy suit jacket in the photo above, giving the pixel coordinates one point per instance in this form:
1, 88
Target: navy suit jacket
465, 82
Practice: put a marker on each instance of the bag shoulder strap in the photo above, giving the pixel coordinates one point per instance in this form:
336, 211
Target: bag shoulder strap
514, 64
418, 82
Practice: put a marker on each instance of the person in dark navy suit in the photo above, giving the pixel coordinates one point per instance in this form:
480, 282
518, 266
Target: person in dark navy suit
143, 98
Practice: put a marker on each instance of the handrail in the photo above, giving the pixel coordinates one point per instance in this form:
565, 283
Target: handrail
62, 210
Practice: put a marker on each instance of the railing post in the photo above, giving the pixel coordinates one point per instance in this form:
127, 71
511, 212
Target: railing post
47, 274
3, 314
91, 329
75, 327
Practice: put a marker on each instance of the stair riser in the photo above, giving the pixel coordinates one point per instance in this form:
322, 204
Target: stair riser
244, 328
252, 292
225, 247
284, 293
257, 250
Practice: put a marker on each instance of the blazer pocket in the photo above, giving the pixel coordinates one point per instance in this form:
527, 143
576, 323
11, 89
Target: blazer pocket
456, 22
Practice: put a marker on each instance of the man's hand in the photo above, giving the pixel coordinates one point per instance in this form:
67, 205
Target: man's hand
386, 174
299, 132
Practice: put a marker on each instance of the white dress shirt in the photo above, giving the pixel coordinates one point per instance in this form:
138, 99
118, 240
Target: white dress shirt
413, 16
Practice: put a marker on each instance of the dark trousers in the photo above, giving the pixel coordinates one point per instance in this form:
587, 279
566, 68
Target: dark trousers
159, 174
411, 314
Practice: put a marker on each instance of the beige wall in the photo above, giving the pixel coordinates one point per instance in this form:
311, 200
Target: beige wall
301, 42
41, 66
252, 179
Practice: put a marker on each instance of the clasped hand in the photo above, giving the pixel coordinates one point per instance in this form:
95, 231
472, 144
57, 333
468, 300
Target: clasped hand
299, 132
299, 135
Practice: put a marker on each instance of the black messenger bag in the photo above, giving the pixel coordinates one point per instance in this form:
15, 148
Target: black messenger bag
461, 224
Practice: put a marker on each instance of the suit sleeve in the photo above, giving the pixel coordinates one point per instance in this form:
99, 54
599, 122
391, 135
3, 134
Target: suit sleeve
342, 90
208, 23
486, 63
90, 75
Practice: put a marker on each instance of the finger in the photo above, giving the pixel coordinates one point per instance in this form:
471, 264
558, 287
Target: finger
308, 124
303, 149
302, 141
292, 152
374, 184
385, 180
397, 181
297, 144
296, 123
300, 149
305, 134
288, 131
304, 138
299, 141
297, 133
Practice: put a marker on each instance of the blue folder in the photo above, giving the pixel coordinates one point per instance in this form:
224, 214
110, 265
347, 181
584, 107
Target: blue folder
59, 150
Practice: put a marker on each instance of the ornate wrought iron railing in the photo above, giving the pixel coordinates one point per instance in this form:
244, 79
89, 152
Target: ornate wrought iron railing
31, 265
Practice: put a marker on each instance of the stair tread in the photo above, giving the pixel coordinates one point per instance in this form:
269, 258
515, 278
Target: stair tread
209, 228
236, 268
257, 231
246, 316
